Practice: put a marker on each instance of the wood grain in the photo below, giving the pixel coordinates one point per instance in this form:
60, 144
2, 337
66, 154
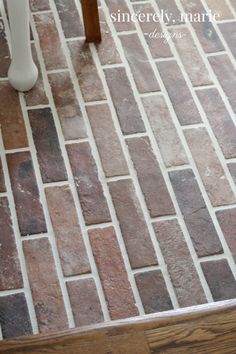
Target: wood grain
91, 20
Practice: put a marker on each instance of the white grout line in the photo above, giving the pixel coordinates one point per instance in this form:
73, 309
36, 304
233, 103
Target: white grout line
145, 269
215, 257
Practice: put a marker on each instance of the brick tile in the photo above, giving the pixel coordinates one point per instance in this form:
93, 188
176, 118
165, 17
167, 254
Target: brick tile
107, 50
220, 7
26, 195
67, 106
220, 120
4, 53
228, 31
220, 279
47, 145
124, 101
89, 188
45, 287
73, 255
153, 292
14, 316
133, 226
159, 47
180, 264
164, 131
232, 170
39, 5
2, 179
150, 177
227, 222
190, 56
226, 75
70, 20
116, 6
86, 71
182, 100
112, 272
45, 23
10, 276
11, 118
195, 213
205, 31
170, 7
85, 302
209, 167
142, 71
107, 141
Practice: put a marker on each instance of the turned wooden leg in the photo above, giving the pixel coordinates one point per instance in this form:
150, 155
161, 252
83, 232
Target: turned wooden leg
91, 20
23, 72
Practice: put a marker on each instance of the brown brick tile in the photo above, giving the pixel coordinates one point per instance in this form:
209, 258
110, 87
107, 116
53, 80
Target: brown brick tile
220, 7
45, 23
85, 302
190, 56
164, 131
220, 120
180, 264
107, 141
112, 272
209, 167
73, 255
133, 226
220, 279
116, 6
142, 71
195, 213
89, 188
89, 80
150, 177
227, 222
39, 5
124, 101
170, 7
2, 179
153, 291
228, 31
26, 195
47, 145
70, 20
67, 106
11, 118
159, 47
232, 170
182, 100
4, 53
10, 275
14, 316
226, 74
45, 287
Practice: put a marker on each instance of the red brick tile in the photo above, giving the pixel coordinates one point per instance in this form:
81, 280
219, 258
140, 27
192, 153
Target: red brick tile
164, 131
180, 264
4, 53
226, 74
228, 31
14, 316
119, 6
124, 101
209, 167
11, 118
182, 100
39, 5
2, 179
10, 276
142, 71
45, 287
112, 272
67, 106
150, 177
169, 7
221, 8
89, 188
47, 145
159, 47
70, 20
232, 170
133, 226
227, 222
220, 120
73, 255
26, 195
85, 302
110, 151
190, 56
195, 213
153, 291
45, 23
89, 80
220, 279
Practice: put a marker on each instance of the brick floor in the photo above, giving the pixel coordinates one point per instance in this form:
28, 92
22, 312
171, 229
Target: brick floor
118, 170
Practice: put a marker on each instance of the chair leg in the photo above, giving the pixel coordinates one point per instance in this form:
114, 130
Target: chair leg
91, 20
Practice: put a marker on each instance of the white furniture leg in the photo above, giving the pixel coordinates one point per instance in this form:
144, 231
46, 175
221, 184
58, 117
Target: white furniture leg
23, 72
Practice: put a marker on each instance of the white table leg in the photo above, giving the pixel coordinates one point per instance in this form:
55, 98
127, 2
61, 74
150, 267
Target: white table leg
23, 72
